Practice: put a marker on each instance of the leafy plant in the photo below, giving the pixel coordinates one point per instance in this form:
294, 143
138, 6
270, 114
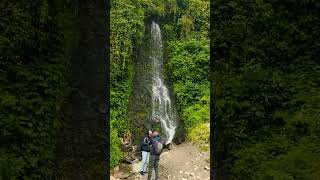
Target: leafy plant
200, 134
115, 152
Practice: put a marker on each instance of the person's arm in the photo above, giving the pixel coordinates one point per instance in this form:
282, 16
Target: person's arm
151, 141
145, 141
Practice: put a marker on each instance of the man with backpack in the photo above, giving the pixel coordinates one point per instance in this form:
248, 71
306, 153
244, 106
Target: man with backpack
145, 150
156, 150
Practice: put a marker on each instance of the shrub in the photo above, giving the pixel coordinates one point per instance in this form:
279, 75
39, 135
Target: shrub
115, 152
201, 135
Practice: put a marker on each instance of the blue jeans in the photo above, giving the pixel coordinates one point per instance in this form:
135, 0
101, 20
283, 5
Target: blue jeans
145, 160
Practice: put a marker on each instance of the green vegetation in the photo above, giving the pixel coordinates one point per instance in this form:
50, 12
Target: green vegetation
114, 147
188, 68
32, 86
201, 135
265, 84
185, 28
126, 29
189, 63
40, 42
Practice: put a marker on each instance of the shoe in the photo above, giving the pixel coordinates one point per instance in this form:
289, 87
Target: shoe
141, 173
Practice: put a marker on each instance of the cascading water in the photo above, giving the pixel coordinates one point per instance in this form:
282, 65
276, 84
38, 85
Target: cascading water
162, 106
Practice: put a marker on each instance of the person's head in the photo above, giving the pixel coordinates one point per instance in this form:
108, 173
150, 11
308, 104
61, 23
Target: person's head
149, 133
155, 134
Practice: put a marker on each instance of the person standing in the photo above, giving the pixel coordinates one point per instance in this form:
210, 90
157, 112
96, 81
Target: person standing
156, 149
145, 150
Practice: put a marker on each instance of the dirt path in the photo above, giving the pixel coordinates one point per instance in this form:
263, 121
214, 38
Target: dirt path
182, 162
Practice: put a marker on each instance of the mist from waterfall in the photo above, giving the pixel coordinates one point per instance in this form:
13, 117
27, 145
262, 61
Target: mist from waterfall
162, 106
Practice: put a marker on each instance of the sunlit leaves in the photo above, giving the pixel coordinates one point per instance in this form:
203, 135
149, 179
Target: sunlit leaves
126, 28
185, 24
189, 60
114, 148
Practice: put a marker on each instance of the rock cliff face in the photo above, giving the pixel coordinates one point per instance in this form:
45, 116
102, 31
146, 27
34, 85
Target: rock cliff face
140, 104
81, 146
141, 100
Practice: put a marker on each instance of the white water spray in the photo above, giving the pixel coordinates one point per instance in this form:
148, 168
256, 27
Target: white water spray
162, 108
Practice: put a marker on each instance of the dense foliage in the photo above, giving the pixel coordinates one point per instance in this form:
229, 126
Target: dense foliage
115, 151
185, 26
189, 62
188, 67
265, 84
127, 28
32, 77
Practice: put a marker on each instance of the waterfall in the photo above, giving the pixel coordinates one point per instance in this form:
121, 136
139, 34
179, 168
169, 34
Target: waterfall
162, 106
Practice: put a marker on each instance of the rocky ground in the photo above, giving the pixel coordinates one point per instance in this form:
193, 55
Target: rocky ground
182, 162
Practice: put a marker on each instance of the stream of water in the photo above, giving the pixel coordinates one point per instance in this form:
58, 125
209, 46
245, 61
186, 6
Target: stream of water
162, 107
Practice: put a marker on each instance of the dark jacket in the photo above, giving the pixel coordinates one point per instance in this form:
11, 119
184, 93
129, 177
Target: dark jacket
152, 141
145, 144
